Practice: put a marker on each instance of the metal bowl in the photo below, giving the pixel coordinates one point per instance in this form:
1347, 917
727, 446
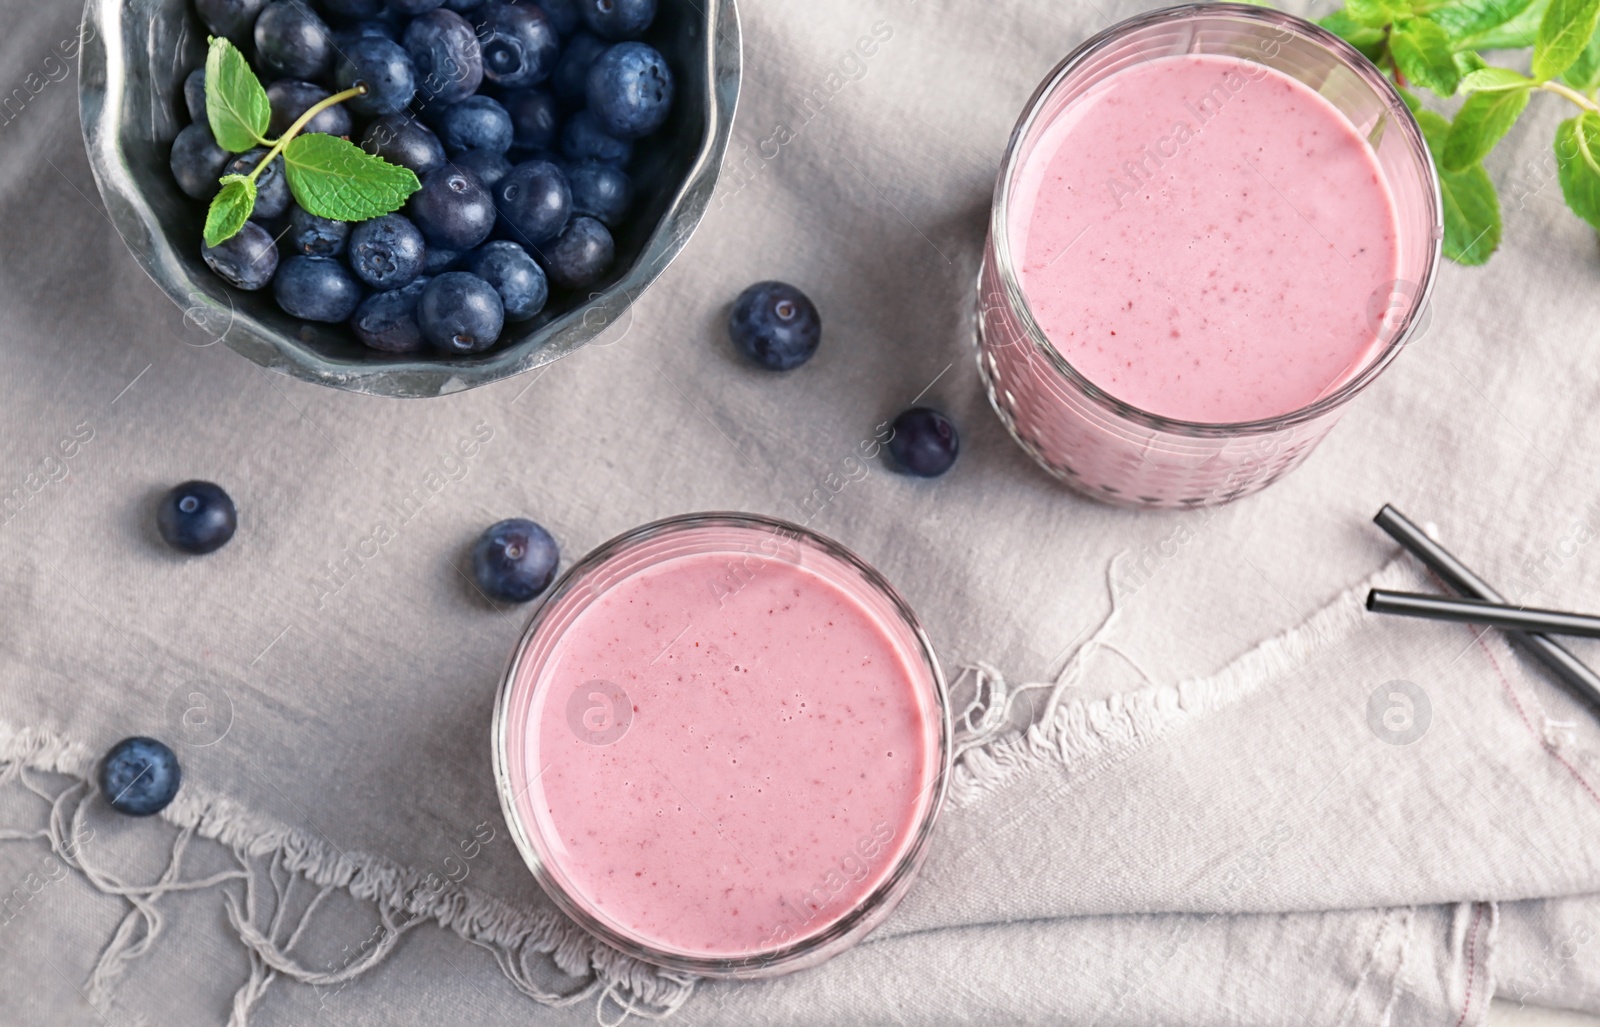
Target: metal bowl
136, 54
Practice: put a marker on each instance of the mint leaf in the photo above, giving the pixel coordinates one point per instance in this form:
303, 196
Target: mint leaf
1467, 18
1422, 53
1578, 164
1514, 34
1367, 39
236, 105
1479, 124
1584, 73
230, 209
334, 178
1489, 80
1563, 35
1471, 208
1373, 14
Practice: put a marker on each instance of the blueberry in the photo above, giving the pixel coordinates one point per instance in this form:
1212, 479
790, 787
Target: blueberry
291, 98
463, 6
231, 18
477, 122
583, 138
453, 209
387, 71
570, 81
352, 10
437, 260
460, 313
292, 42
413, 7
139, 776
316, 289
563, 14
490, 167
387, 321
194, 95
776, 325
445, 50
312, 236
617, 19
535, 118
580, 254
401, 139
515, 276
630, 90
246, 260
514, 560
600, 191
535, 201
924, 443
196, 517
520, 45
197, 161
373, 28
386, 252
272, 189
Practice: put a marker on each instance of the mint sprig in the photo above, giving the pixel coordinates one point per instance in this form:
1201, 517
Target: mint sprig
1436, 46
329, 176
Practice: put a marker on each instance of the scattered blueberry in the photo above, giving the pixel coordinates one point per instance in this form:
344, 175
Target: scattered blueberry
291, 98
197, 161
463, 6
352, 10
515, 276
385, 68
580, 254
272, 189
776, 325
571, 79
535, 118
413, 6
387, 321
514, 560
196, 517
925, 442
292, 42
520, 46
245, 261
617, 19
445, 50
316, 289
535, 201
311, 236
476, 123
401, 139
438, 260
490, 167
600, 191
231, 18
386, 252
630, 90
563, 14
453, 209
374, 28
140, 776
460, 313
194, 95
583, 138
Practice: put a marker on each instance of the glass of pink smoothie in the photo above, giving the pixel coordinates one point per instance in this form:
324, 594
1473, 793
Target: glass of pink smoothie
722, 744
1215, 225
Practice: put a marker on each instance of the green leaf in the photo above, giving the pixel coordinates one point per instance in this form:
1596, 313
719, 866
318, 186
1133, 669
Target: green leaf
1410, 100
1563, 35
1515, 34
1367, 39
1491, 80
1468, 61
1466, 18
1578, 164
230, 209
236, 105
1584, 73
334, 178
1471, 208
1422, 52
1479, 124
1372, 14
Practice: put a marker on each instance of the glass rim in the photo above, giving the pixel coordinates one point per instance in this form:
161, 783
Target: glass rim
1401, 118
807, 951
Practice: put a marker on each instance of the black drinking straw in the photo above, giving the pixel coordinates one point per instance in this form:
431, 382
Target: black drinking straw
1568, 668
1481, 611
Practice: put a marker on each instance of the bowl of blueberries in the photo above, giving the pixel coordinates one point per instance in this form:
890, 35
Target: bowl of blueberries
406, 197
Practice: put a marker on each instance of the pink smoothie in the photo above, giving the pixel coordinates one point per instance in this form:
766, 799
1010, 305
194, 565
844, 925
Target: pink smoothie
1201, 237
781, 745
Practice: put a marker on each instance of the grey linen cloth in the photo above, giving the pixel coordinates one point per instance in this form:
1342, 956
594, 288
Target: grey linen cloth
1219, 814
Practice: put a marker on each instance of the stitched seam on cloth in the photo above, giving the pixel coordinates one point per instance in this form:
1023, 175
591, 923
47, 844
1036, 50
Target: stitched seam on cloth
1472, 938
1084, 737
512, 934
1354, 999
1543, 740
